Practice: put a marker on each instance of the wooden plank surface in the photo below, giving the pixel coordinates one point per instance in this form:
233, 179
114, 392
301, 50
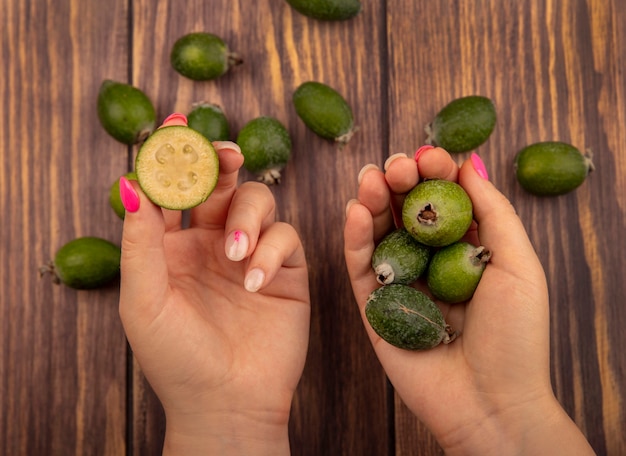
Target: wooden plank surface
555, 70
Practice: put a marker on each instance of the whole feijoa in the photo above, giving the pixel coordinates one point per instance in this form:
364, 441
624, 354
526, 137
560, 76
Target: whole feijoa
327, 10
399, 258
551, 168
463, 124
437, 212
266, 146
177, 167
202, 56
125, 112
115, 201
406, 318
85, 263
455, 271
324, 110
210, 120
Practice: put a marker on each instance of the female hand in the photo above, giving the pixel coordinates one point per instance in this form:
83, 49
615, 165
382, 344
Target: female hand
489, 391
217, 314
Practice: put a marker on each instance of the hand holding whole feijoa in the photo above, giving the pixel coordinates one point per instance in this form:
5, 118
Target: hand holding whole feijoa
327, 10
437, 212
455, 271
202, 56
399, 258
85, 263
407, 318
324, 111
463, 124
125, 112
266, 146
551, 168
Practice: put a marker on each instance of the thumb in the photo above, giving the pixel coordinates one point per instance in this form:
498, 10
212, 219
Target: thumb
143, 266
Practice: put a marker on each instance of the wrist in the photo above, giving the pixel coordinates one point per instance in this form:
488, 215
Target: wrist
241, 433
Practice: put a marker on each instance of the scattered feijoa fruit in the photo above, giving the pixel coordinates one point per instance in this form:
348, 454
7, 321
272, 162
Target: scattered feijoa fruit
454, 271
406, 318
463, 124
202, 56
114, 195
266, 146
551, 168
210, 120
324, 111
177, 167
85, 263
125, 112
327, 10
437, 212
399, 258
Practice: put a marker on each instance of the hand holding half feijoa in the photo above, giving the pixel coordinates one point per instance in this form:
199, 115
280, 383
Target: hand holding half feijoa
399, 258
202, 56
210, 120
327, 10
407, 318
125, 112
266, 147
85, 263
463, 124
551, 168
324, 111
177, 167
437, 212
455, 271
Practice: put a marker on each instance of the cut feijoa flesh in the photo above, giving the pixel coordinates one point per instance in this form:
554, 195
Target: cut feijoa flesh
399, 258
406, 318
177, 167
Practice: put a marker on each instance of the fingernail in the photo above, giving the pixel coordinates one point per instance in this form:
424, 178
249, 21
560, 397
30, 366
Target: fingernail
479, 166
128, 195
365, 169
175, 119
254, 280
237, 245
349, 204
221, 145
391, 158
421, 150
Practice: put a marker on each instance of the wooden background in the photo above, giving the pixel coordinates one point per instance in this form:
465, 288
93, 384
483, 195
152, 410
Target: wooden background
555, 70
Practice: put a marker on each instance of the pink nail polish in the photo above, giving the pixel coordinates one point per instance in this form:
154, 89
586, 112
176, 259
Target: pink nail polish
175, 119
479, 166
421, 150
128, 195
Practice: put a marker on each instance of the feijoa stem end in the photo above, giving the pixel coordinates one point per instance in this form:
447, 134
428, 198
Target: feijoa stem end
48, 268
384, 274
427, 215
270, 176
450, 335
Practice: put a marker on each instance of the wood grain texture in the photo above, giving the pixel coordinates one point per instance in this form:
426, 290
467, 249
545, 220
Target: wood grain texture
555, 70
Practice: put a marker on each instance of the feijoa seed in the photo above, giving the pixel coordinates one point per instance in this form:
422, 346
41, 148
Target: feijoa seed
407, 318
399, 258
551, 168
463, 124
437, 212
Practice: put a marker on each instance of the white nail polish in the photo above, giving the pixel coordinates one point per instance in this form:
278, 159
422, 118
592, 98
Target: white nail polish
237, 245
391, 158
365, 169
254, 279
219, 145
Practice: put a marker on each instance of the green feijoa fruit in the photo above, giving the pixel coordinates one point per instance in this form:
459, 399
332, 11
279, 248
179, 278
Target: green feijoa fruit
406, 318
114, 196
266, 147
327, 10
177, 167
437, 212
202, 56
85, 263
210, 120
324, 111
125, 112
455, 270
399, 258
551, 168
463, 124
